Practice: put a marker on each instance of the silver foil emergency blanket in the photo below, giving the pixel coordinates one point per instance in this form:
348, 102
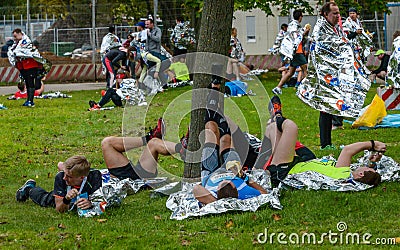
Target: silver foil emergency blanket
24, 49
130, 93
310, 180
337, 82
183, 36
183, 204
393, 76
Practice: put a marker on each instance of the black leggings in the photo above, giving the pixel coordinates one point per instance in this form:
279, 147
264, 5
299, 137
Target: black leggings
111, 94
29, 76
325, 129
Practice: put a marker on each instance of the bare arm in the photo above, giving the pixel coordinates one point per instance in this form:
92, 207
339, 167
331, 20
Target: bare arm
258, 187
203, 195
60, 205
350, 150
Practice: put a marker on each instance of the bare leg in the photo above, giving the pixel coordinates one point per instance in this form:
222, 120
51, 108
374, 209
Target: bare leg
303, 72
283, 143
113, 148
212, 132
149, 158
286, 77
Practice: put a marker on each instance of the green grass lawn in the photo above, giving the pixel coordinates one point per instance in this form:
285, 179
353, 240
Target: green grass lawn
34, 140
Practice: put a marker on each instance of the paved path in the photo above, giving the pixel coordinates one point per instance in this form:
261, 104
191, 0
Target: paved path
8, 90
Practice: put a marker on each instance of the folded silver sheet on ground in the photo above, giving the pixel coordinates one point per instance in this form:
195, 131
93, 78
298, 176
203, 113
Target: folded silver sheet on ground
337, 82
311, 180
393, 77
386, 167
183, 204
111, 194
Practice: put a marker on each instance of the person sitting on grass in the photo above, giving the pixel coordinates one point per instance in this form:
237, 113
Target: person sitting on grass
381, 72
111, 93
221, 180
22, 93
178, 71
121, 167
75, 179
282, 133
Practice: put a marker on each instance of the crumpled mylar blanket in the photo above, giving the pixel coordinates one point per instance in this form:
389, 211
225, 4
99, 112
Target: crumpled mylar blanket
25, 49
292, 39
362, 43
337, 82
130, 93
393, 76
183, 204
386, 167
110, 41
183, 36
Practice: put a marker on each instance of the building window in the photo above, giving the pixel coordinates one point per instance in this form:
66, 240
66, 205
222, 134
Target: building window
251, 29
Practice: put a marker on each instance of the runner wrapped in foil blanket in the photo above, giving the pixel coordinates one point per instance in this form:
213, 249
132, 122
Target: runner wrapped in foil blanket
25, 49
293, 37
393, 76
362, 43
182, 36
310, 180
183, 204
337, 82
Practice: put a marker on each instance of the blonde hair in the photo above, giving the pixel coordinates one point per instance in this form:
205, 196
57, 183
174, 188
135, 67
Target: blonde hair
78, 165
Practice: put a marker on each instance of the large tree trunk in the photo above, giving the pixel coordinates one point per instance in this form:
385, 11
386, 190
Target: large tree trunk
216, 24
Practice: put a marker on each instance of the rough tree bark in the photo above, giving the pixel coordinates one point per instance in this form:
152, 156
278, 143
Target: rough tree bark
214, 35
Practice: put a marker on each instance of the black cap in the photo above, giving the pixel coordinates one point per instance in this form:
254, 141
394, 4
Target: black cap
352, 9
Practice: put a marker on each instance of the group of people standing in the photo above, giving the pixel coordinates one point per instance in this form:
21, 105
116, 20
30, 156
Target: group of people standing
333, 78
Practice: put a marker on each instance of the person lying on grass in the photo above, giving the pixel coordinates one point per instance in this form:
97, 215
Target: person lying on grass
282, 133
227, 179
121, 167
75, 179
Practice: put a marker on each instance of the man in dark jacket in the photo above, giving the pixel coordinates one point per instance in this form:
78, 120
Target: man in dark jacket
381, 72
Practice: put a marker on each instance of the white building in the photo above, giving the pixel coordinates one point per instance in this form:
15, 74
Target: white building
257, 32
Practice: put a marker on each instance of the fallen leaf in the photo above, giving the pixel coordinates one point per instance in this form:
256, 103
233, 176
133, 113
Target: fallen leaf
305, 223
101, 220
157, 217
61, 226
254, 217
229, 224
29, 161
373, 195
302, 205
397, 240
52, 228
303, 232
37, 176
48, 175
276, 217
185, 243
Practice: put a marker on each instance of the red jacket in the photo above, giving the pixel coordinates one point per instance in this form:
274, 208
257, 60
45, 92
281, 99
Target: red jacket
27, 63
